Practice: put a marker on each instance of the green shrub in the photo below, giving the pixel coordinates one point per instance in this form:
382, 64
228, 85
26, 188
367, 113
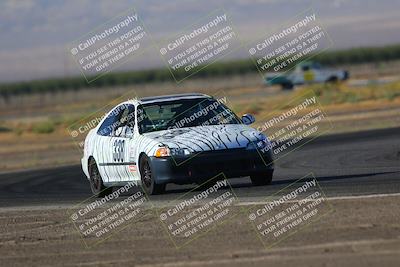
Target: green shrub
18, 131
4, 129
44, 127
220, 68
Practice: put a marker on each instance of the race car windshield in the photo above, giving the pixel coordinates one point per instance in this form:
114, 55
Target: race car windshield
184, 113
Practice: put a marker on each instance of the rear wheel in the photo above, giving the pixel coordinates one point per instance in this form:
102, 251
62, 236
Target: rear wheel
264, 178
96, 182
148, 183
346, 75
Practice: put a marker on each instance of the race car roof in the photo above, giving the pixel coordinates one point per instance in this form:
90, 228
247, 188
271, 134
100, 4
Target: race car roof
153, 99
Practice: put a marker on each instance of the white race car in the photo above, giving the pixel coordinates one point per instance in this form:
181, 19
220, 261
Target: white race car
182, 139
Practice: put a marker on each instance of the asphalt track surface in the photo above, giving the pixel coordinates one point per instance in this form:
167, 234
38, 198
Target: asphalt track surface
353, 164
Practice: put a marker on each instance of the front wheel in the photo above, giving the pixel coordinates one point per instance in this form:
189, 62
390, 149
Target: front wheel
287, 86
332, 79
147, 177
264, 178
96, 182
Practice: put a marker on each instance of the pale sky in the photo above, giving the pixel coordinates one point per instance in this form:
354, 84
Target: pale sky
35, 33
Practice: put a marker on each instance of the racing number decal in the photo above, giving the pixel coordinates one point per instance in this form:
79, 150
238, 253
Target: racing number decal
118, 150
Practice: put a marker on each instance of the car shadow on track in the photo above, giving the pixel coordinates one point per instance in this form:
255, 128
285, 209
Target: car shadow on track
243, 187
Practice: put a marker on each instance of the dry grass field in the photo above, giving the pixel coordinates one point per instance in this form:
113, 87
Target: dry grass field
34, 128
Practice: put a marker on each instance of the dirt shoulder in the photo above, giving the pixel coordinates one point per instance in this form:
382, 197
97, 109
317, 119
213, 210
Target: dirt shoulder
358, 232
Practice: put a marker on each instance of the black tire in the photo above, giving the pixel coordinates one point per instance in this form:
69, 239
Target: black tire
287, 86
332, 79
146, 175
346, 75
96, 181
262, 178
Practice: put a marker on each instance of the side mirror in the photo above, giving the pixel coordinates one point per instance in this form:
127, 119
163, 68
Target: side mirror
248, 119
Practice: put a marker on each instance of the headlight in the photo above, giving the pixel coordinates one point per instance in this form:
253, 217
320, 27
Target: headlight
256, 145
179, 151
263, 145
166, 151
251, 146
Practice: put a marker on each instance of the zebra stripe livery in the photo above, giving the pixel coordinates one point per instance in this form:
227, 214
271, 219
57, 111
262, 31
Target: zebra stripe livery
118, 155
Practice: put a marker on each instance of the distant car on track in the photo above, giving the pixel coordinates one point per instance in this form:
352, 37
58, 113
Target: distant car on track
306, 72
180, 139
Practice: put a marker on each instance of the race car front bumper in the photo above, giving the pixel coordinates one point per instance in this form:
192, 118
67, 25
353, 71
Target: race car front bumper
206, 165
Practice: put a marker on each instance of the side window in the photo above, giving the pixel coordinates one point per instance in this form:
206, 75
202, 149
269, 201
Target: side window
123, 119
144, 122
125, 124
119, 116
316, 66
127, 117
106, 128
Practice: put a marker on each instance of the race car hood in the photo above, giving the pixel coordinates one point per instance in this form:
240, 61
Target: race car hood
207, 138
